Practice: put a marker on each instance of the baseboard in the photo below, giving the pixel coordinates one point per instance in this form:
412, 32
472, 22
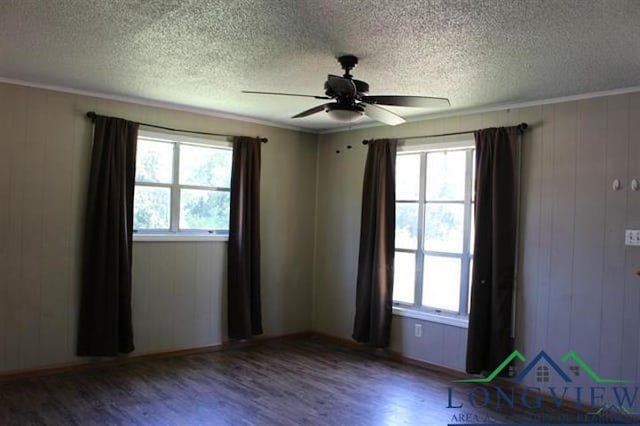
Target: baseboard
94, 363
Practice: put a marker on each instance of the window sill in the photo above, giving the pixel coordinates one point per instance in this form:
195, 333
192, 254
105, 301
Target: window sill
156, 238
440, 318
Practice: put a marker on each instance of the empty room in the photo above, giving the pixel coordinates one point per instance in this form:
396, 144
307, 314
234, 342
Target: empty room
323, 212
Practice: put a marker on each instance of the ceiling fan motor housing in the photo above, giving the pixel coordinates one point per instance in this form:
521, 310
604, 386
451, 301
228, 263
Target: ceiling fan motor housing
362, 88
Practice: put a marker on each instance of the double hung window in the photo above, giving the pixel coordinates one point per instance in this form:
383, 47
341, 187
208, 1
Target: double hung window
434, 229
182, 185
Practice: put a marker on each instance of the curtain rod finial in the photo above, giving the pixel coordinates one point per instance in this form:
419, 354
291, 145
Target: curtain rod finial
523, 126
92, 115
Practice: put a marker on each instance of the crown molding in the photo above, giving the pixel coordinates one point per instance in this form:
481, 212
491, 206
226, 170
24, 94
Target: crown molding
492, 108
152, 103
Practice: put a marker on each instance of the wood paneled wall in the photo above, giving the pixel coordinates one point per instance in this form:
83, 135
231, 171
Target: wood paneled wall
179, 299
577, 288
179, 295
578, 285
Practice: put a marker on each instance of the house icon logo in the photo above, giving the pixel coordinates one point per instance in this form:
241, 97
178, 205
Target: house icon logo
542, 365
542, 369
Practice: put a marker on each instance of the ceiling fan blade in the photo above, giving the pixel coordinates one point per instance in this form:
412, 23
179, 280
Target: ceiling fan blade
382, 115
408, 101
342, 86
285, 94
311, 111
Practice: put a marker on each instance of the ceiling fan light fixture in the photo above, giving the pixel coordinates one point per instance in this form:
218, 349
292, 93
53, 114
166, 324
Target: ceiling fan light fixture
347, 114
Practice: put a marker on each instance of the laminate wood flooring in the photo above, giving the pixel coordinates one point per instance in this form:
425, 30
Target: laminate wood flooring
297, 381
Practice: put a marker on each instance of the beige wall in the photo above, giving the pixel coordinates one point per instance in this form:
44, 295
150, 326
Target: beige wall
577, 286
178, 286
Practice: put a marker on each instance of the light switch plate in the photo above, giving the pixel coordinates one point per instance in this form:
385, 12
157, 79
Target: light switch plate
632, 237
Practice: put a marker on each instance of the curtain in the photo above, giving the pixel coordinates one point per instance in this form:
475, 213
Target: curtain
243, 268
489, 339
105, 327
374, 292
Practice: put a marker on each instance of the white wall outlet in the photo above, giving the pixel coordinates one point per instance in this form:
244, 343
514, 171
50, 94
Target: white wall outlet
632, 237
418, 330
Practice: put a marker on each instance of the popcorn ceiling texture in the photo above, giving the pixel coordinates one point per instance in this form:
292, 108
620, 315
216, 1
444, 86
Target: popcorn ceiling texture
203, 53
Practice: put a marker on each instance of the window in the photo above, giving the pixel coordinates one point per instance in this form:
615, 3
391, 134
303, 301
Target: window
434, 229
542, 373
575, 369
182, 185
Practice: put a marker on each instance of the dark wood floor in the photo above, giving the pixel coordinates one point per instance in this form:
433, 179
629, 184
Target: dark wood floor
310, 381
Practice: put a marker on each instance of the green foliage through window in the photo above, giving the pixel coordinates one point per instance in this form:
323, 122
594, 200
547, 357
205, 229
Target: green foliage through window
181, 186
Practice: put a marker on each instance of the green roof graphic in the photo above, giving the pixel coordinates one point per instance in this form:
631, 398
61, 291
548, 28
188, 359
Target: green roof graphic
574, 356
494, 373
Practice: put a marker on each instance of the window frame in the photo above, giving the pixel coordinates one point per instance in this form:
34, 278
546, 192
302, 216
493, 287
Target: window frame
417, 310
174, 233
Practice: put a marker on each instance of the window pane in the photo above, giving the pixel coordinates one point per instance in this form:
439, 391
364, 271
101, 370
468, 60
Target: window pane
470, 286
406, 225
201, 209
441, 286
472, 234
205, 166
446, 175
444, 227
473, 174
151, 207
407, 177
404, 277
154, 161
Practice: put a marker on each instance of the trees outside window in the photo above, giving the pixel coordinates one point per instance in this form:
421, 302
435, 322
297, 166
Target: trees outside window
181, 186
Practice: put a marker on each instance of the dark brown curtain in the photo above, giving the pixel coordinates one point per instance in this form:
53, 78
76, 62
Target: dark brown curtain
243, 269
374, 292
105, 327
489, 339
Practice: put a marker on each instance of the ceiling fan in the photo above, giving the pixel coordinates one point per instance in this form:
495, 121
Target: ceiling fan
351, 101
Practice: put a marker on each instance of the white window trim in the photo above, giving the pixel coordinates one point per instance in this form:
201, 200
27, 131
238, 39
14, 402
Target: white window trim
168, 136
447, 318
452, 142
462, 141
158, 235
177, 237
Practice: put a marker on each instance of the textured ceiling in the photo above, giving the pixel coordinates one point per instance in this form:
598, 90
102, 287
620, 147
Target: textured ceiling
202, 54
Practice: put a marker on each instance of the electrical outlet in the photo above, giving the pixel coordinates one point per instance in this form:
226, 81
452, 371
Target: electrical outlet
632, 237
418, 330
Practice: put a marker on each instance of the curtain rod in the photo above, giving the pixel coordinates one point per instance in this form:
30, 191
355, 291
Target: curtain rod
521, 127
92, 115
